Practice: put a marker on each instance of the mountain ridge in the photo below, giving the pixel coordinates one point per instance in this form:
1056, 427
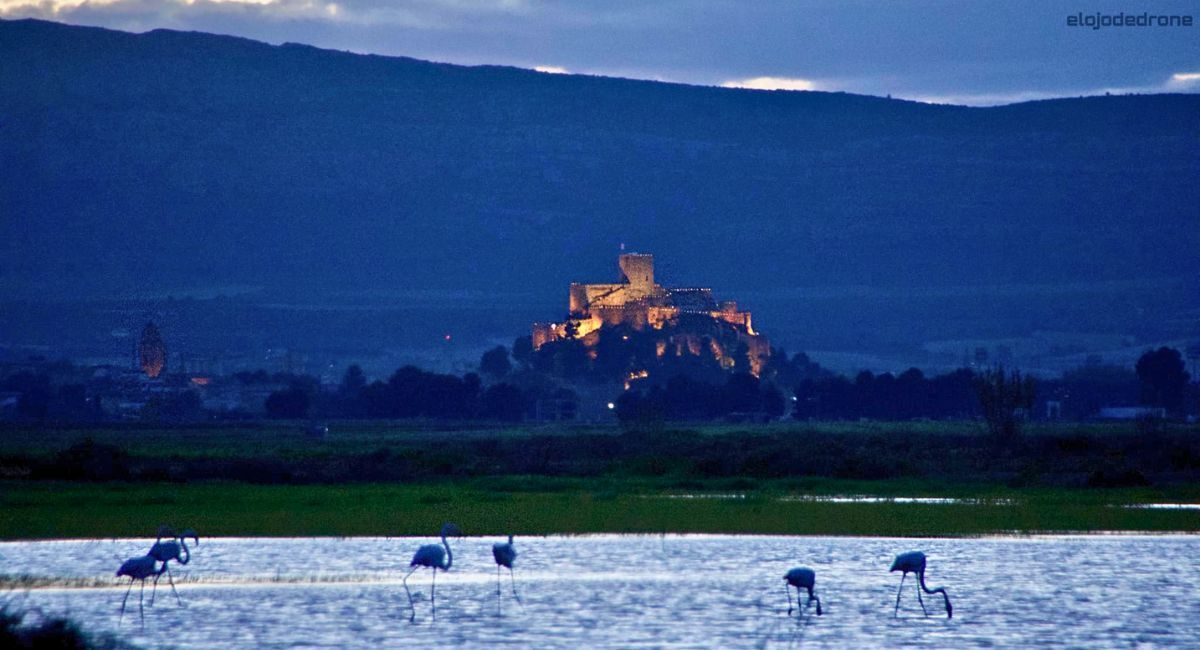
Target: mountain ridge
169, 158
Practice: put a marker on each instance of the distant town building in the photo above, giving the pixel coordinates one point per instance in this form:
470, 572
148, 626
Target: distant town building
637, 301
152, 352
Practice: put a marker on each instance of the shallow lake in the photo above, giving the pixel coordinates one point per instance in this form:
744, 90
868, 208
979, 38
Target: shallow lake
694, 591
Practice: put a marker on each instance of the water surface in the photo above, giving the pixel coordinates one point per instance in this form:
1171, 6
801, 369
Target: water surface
695, 591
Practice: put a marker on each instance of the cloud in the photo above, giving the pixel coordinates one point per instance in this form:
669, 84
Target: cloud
54, 7
47, 8
1183, 81
551, 69
771, 83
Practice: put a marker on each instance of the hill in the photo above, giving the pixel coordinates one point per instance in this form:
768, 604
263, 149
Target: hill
146, 162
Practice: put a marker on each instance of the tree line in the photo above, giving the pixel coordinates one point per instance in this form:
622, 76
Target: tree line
511, 386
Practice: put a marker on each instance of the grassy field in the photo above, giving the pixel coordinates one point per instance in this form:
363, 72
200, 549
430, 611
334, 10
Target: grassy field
406, 479
534, 505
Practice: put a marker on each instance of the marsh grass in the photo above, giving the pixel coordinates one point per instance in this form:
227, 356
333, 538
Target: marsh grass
370, 478
78, 510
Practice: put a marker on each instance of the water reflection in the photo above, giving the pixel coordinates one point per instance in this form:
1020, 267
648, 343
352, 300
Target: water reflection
695, 591
861, 499
1165, 506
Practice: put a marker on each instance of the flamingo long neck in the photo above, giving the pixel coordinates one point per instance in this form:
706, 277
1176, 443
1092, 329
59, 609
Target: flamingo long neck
937, 590
187, 554
449, 554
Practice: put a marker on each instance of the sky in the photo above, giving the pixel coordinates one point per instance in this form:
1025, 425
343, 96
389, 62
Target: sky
976, 52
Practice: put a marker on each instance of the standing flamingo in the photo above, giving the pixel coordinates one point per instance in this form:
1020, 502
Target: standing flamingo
505, 554
914, 562
801, 578
171, 550
137, 568
434, 557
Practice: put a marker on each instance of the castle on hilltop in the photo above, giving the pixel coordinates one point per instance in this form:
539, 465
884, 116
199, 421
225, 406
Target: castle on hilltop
690, 319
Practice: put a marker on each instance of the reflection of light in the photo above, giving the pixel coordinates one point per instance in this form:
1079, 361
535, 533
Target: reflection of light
611, 406
447, 337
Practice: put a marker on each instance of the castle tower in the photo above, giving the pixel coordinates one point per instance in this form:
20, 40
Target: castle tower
152, 352
637, 269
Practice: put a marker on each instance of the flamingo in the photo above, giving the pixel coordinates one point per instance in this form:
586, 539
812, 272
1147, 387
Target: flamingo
137, 568
801, 578
435, 557
505, 554
171, 550
914, 562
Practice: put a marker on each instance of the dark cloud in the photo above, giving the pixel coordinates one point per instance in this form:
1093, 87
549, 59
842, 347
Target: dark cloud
985, 51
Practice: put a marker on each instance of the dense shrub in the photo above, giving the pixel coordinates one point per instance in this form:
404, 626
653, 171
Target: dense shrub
48, 632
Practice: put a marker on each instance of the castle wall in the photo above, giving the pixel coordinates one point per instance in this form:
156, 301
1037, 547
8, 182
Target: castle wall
692, 299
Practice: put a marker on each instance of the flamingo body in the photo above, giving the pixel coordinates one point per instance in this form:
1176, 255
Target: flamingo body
435, 557
172, 549
138, 569
504, 553
910, 562
430, 555
914, 562
802, 578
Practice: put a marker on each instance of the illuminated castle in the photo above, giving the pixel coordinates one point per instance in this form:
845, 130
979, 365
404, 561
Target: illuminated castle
638, 302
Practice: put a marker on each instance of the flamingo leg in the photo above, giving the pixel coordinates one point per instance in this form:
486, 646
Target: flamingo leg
433, 594
171, 580
514, 584
899, 591
141, 596
497, 579
123, 601
787, 592
412, 607
921, 600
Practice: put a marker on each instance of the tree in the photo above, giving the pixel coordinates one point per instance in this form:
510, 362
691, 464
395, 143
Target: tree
773, 403
36, 394
642, 413
352, 382
494, 363
503, 402
351, 401
185, 406
741, 394
522, 350
1163, 378
1005, 398
291, 403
